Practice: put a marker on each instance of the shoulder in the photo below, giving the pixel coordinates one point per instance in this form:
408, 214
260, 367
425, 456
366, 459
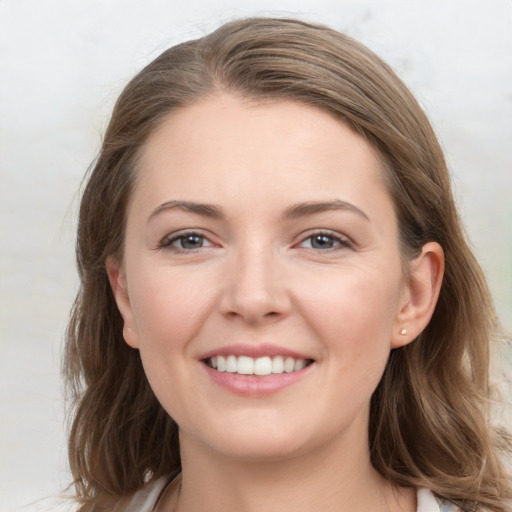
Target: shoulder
427, 502
145, 499
448, 507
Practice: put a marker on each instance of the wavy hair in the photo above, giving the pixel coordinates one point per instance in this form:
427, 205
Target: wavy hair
430, 419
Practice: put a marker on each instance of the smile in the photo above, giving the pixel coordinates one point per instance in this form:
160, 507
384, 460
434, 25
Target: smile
261, 366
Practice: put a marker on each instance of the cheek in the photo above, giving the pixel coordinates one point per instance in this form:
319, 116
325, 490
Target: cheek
168, 307
353, 312
169, 310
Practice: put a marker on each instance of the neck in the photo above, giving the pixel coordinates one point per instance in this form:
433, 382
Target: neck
323, 479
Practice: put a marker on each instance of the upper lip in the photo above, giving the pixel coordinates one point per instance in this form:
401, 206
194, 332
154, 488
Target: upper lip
254, 351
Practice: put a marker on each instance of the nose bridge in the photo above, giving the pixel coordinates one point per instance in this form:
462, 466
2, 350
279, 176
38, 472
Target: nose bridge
255, 288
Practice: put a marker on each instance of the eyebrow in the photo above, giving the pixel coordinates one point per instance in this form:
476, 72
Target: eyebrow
293, 212
203, 209
311, 208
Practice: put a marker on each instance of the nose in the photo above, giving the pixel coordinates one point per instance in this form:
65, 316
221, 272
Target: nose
255, 289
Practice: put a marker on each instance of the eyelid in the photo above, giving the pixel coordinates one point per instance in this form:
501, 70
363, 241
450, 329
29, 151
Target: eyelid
167, 241
343, 240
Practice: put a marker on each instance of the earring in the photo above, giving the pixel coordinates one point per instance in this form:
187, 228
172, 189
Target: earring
403, 332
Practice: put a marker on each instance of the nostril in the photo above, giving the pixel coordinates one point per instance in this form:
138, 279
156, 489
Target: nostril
253, 318
254, 300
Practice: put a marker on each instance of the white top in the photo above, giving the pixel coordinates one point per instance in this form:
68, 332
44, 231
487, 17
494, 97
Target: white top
428, 503
145, 500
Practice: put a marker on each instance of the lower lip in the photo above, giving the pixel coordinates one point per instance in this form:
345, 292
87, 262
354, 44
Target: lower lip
253, 385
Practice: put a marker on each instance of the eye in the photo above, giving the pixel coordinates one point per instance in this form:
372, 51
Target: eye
324, 241
183, 242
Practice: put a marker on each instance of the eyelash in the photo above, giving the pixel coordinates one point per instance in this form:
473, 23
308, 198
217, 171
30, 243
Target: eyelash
343, 242
167, 243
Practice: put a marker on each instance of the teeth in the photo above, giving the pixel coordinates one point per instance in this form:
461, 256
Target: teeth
289, 364
263, 366
277, 364
231, 364
299, 364
244, 365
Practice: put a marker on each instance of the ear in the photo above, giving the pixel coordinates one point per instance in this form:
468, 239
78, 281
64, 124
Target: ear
117, 278
420, 294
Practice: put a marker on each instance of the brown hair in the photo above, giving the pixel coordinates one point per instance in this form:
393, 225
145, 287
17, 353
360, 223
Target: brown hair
429, 420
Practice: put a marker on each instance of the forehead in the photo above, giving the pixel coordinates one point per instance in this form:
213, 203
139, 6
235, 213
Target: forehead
255, 161
273, 139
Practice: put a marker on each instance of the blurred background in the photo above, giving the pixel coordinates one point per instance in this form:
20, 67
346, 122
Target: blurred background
63, 63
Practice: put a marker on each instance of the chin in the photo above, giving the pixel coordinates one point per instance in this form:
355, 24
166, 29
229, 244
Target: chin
261, 441
261, 451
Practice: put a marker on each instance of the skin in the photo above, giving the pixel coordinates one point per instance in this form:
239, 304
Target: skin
256, 273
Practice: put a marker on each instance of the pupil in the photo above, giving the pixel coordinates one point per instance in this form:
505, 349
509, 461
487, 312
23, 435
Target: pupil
322, 242
191, 242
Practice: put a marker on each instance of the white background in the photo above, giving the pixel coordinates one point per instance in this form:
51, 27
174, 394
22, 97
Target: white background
63, 62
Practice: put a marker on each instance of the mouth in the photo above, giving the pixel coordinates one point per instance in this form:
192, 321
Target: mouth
259, 366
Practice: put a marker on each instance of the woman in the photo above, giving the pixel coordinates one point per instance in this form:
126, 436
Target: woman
278, 308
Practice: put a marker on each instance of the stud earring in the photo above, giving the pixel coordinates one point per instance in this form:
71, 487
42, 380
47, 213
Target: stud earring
403, 332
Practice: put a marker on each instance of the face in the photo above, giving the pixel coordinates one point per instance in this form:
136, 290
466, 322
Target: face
261, 279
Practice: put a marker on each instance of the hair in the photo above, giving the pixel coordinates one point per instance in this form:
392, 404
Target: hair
430, 419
